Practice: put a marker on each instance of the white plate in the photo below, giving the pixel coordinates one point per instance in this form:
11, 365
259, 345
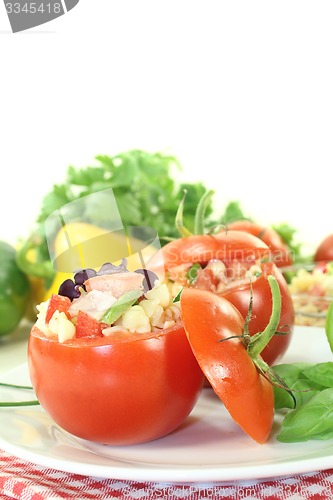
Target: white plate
207, 447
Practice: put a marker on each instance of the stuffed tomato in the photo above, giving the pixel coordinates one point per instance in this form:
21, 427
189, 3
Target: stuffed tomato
113, 364
235, 265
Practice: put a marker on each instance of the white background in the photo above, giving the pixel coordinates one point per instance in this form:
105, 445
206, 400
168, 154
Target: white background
240, 92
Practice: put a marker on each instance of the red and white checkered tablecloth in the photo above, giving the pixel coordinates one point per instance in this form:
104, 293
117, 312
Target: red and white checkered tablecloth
21, 480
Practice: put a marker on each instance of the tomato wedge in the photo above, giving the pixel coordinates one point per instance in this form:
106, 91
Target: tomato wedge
210, 321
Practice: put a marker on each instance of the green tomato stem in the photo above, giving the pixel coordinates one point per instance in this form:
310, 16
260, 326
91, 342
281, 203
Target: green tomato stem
259, 341
199, 220
183, 231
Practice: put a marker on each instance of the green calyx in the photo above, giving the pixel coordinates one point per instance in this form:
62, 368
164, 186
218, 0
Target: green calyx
256, 344
259, 341
199, 218
183, 231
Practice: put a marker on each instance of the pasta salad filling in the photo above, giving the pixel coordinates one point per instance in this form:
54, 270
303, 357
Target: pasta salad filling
116, 301
312, 291
103, 304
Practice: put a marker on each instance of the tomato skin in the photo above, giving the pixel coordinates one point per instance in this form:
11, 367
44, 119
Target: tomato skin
280, 252
246, 394
324, 251
116, 390
226, 246
262, 308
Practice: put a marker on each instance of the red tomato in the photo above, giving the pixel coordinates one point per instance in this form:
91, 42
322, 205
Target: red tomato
324, 251
246, 394
239, 296
226, 246
57, 302
86, 326
119, 390
280, 252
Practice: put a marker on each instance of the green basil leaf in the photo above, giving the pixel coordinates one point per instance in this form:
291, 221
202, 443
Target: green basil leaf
321, 373
329, 325
120, 306
177, 297
291, 370
313, 420
302, 388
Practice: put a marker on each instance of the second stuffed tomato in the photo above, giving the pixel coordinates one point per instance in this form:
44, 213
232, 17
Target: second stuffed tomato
235, 265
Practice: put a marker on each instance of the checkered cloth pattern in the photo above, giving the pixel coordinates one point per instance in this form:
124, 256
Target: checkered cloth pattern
21, 480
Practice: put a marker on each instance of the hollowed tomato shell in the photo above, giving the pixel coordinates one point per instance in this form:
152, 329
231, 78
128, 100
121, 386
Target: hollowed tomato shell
119, 390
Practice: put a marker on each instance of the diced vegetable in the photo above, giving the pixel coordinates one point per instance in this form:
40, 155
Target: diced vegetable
120, 306
86, 326
57, 303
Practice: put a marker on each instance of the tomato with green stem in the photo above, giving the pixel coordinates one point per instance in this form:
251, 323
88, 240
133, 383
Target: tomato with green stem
259, 289
238, 250
230, 357
227, 246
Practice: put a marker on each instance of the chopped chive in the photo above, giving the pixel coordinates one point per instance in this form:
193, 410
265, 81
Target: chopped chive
6, 404
27, 387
